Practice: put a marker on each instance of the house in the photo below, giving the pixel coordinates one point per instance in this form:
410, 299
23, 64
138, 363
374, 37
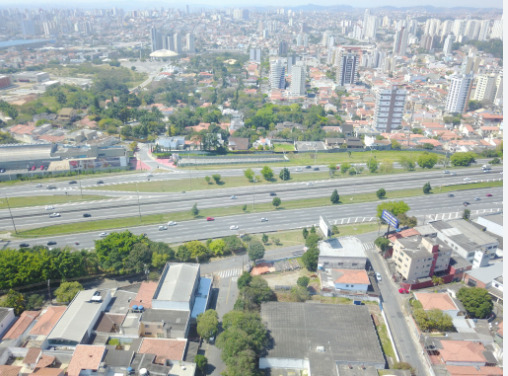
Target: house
493, 223
441, 301
420, 256
165, 350
467, 241
486, 277
67, 115
463, 353
47, 320
172, 143
162, 323
334, 143
319, 338
238, 143
347, 130
265, 142
356, 280
21, 326
85, 360
354, 143
342, 253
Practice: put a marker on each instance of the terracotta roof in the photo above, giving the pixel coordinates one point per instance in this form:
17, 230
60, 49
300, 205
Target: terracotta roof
21, 325
48, 372
22, 129
9, 370
109, 322
352, 276
32, 355
47, 320
45, 361
403, 234
441, 301
164, 349
85, 357
474, 371
145, 294
462, 351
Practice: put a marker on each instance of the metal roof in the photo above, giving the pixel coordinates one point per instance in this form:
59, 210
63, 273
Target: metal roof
177, 282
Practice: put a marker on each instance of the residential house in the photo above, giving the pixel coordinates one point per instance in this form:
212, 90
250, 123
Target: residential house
238, 143
355, 280
67, 115
441, 301
86, 359
489, 277
7, 317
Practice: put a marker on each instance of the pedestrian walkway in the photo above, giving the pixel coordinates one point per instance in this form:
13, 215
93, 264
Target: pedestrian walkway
228, 273
368, 246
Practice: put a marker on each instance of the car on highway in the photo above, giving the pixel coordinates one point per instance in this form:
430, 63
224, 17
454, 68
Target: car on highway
24, 245
2, 170
162, 228
273, 194
51, 242
451, 195
378, 277
308, 167
233, 197
103, 234
298, 169
171, 223
489, 195
87, 215
467, 179
51, 187
465, 203
49, 207
73, 182
209, 219
316, 168
264, 219
477, 198
38, 185
446, 172
453, 173
100, 182
403, 291
233, 227
54, 215
41, 168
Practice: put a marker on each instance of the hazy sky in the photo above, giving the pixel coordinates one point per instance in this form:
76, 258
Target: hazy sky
230, 3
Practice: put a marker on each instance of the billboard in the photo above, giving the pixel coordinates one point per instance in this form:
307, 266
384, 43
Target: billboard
390, 218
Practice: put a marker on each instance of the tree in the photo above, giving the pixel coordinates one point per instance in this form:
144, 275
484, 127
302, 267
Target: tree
310, 259
406, 221
407, 163
249, 174
244, 280
217, 247
372, 165
67, 291
462, 159
233, 244
476, 301
201, 363
437, 281
138, 259
428, 146
303, 281
216, 178
394, 207
335, 198
305, 233
34, 301
381, 193
207, 179
427, 160
198, 250
195, 210
207, 324
252, 295
312, 240
427, 188
256, 250
466, 214
299, 294
332, 168
284, 174
267, 173
264, 238
113, 250
15, 300
382, 244
495, 161
276, 202
182, 253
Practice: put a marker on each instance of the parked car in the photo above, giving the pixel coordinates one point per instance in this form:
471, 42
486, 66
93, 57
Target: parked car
54, 215
73, 182
51, 242
210, 219
87, 215
162, 228
24, 245
233, 227
378, 277
171, 223
103, 234
403, 291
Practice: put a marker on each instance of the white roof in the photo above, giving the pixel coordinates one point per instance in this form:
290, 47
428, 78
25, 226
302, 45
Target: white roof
342, 247
177, 283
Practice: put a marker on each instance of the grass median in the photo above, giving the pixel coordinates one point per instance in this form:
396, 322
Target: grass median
154, 219
21, 202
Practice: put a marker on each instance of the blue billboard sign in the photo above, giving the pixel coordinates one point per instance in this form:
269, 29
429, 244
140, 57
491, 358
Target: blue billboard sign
390, 218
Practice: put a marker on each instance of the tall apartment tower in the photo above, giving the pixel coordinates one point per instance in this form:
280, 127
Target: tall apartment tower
177, 43
297, 87
485, 88
277, 75
155, 39
400, 42
389, 109
448, 44
348, 65
458, 94
189, 41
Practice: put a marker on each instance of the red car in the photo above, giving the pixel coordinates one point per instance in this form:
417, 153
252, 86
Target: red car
42, 167
210, 219
489, 194
403, 291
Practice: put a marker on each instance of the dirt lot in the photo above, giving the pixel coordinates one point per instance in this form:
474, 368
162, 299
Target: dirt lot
283, 279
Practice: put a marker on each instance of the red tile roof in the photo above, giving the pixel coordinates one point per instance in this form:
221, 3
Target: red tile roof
22, 324
441, 301
474, 371
32, 355
164, 349
47, 320
22, 129
48, 372
462, 351
85, 357
6, 370
352, 276
145, 294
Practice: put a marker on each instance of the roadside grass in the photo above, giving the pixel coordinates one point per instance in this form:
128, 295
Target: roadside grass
283, 147
108, 224
21, 202
386, 344
330, 299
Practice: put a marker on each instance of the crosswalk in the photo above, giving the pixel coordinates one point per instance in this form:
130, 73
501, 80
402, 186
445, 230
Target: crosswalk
368, 246
228, 273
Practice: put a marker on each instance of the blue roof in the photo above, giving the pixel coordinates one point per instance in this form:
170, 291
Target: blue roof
201, 300
204, 286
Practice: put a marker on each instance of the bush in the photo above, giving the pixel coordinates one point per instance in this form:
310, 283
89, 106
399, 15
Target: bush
381, 193
256, 250
303, 281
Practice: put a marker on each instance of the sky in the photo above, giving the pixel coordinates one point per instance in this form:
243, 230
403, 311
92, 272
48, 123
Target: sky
139, 4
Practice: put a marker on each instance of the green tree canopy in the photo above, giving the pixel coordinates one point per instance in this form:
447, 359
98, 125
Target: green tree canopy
284, 174
207, 324
427, 188
14, 299
381, 193
256, 250
113, 250
67, 291
335, 198
462, 159
303, 281
267, 173
476, 301
276, 202
372, 165
249, 174
427, 160
395, 207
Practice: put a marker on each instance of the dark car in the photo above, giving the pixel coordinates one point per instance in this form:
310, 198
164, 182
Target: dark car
451, 195
316, 168
24, 245
51, 242
273, 194
87, 215
73, 182
100, 182
51, 187
308, 167
465, 203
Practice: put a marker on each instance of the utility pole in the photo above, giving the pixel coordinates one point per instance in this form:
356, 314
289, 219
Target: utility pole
10, 212
139, 206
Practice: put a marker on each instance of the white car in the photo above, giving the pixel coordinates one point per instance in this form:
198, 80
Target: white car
233, 227
54, 215
264, 219
162, 228
171, 223
233, 197
38, 185
103, 234
378, 277
467, 179
49, 207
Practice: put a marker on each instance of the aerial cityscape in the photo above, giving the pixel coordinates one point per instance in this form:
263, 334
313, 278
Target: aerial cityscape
247, 189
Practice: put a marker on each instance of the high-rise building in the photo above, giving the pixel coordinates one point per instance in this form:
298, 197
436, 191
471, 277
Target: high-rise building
498, 99
389, 109
255, 55
346, 73
485, 88
277, 75
448, 45
297, 87
400, 42
497, 30
190, 42
484, 30
458, 93
155, 39
283, 48
177, 43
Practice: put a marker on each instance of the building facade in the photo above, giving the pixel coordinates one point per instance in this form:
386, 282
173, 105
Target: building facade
389, 109
297, 87
347, 71
277, 75
458, 94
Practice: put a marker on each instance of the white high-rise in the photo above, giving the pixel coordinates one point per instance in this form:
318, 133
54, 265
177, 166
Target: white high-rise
189, 39
400, 42
458, 93
277, 75
389, 109
485, 88
348, 65
297, 87
448, 44
497, 30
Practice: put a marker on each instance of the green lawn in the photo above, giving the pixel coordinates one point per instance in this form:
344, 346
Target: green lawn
283, 147
20, 202
386, 344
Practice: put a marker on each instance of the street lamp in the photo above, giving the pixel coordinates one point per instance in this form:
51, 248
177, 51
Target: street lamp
356, 176
139, 206
10, 212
